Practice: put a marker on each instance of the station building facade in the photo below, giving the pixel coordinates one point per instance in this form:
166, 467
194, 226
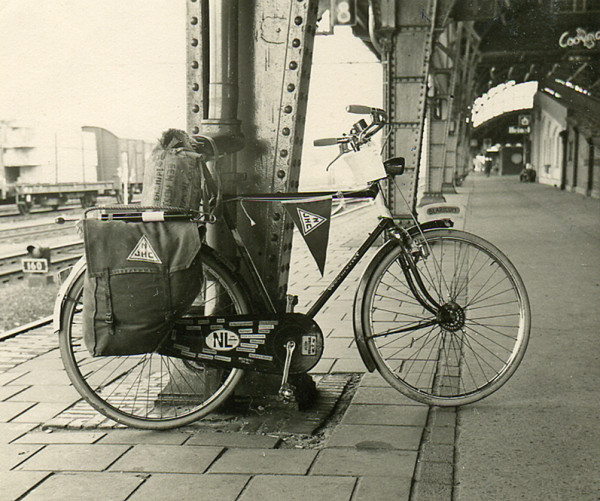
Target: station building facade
565, 139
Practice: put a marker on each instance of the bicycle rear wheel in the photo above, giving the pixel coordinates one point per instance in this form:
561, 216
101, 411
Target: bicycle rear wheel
472, 344
152, 391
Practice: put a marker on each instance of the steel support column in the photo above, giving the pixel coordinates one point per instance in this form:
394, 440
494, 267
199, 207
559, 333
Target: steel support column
405, 86
275, 62
272, 54
453, 60
442, 137
254, 81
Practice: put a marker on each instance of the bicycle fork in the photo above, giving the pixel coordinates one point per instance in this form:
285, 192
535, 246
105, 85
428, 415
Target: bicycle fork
415, 282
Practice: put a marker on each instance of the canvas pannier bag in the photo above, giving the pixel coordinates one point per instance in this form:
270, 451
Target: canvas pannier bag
141, 277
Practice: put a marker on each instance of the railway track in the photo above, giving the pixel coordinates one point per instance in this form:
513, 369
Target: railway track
10, 211
63, 256
35, 230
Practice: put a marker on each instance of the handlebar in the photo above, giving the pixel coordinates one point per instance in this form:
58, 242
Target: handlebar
361, 132
326, 141
359, 109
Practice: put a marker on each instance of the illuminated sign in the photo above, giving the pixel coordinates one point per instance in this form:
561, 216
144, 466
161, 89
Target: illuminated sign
583, 37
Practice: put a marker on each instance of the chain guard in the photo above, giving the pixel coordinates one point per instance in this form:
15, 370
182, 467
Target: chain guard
249, 342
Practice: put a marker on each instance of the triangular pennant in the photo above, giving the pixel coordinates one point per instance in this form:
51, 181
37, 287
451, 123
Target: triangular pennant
312, 219
143, 251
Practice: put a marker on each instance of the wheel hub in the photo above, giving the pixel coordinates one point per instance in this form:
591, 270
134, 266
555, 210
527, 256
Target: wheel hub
451, 316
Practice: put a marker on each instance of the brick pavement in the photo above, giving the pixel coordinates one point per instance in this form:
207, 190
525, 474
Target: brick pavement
371, 454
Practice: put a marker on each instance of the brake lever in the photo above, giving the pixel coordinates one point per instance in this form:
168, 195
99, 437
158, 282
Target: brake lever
333, 161
345, 147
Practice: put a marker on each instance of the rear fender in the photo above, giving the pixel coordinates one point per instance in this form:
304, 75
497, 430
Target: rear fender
76, 271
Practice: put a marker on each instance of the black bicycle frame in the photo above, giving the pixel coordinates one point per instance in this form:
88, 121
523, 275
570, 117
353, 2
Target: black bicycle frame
385, 224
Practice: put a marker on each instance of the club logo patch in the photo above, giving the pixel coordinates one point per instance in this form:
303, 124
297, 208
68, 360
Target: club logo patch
143, 251
309, 221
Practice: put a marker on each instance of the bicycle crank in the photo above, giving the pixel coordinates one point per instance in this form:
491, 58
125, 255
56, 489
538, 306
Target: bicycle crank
286, 391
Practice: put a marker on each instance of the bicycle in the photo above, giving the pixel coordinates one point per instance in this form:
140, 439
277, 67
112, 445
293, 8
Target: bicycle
441, 314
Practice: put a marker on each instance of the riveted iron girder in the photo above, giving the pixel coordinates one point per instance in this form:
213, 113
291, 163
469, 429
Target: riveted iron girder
275, 62
406, 70
273, 52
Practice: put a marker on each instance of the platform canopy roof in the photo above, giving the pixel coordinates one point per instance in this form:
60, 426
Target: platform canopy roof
520, 40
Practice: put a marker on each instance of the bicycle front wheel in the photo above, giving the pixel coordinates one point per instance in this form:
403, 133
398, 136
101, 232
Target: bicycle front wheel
468, 346
152, 391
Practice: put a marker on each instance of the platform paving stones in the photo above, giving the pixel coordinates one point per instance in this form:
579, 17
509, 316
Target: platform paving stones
47, 362
11, 377
376, 437
10, 410
176, 487
376, 488
167, 459
63, 394
374, 395
16, 483
45, 377
11, 431
262, 461
60, 437
231, 440
434, 472
74, 457
348, 365
298, 488
12, 455
353, 462
6, 392
374, 380
86, 486
411, 415
40, 413
133, 436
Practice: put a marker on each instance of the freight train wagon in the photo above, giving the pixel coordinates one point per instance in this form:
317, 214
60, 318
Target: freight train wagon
48, 166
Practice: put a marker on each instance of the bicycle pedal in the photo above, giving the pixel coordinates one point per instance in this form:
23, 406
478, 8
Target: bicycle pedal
287, 393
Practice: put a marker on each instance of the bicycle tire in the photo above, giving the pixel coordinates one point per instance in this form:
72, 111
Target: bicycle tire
152, 391
475, 340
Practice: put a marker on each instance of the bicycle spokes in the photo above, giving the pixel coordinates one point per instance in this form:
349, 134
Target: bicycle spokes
469, 341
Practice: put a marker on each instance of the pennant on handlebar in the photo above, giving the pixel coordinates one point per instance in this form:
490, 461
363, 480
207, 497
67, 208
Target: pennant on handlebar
312, 218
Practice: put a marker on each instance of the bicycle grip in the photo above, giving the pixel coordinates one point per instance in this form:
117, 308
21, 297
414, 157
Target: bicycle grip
359, 109
326, 141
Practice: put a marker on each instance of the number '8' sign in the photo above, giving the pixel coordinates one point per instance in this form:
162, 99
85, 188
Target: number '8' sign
344, 12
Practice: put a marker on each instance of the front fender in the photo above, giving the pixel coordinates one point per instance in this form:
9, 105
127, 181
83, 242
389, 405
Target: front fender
445, 223
76, 271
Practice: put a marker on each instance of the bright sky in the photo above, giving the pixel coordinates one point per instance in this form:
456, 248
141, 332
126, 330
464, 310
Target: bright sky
113, 63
